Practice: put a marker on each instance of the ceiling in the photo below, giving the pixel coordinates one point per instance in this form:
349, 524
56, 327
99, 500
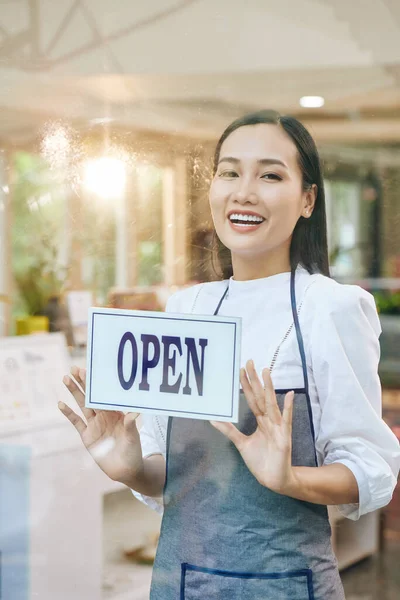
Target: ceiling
191, 66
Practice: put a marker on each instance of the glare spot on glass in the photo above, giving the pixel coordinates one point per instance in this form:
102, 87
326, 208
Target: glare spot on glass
105, 176
101, 120
56, 145
35, 203
103, 448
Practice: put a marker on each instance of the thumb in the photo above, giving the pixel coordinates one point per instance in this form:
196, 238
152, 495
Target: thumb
130, 426
230, 431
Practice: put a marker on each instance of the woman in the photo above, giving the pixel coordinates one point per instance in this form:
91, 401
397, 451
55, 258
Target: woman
245, 506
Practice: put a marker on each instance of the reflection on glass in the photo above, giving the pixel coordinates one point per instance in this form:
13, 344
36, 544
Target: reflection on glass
149, 223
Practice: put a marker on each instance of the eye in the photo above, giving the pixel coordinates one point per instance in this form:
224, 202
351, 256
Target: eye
228, 174
272, 176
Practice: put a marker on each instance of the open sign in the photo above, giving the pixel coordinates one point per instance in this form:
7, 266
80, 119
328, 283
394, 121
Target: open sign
175, 364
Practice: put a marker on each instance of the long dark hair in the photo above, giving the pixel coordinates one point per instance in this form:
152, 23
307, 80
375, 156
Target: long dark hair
309, 246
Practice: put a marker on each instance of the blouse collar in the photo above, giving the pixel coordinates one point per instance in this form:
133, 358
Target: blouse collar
262, 284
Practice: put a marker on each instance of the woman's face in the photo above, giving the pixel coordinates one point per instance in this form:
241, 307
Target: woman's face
256, 196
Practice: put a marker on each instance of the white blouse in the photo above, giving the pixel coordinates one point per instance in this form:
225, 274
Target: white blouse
341, 329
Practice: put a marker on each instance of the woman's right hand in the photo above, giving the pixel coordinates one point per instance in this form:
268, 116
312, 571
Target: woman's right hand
111, 437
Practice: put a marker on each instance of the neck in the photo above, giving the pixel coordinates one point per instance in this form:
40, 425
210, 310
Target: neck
246, 268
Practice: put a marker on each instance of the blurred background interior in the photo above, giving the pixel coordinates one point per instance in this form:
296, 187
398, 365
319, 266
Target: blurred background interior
109, 113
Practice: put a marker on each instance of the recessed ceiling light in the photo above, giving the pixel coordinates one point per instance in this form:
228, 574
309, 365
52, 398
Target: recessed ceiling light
312, 101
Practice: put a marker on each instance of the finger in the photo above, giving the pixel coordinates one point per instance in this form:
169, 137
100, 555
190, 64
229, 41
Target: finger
287, 415
130, 425
73, 418
81, 380
272, 407
231, 432
256, 385
248, 392
78, 394
80, 376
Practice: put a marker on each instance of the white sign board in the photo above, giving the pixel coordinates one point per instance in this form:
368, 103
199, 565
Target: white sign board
163, 363
79, 302
31, 372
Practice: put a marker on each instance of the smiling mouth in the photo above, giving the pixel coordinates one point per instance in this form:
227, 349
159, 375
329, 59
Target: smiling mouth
245, 222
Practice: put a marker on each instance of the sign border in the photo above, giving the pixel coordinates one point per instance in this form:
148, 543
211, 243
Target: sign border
151, 315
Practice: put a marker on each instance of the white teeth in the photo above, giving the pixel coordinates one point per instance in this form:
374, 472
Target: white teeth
246, 218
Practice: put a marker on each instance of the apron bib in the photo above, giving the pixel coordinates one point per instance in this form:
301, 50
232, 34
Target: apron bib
224, 535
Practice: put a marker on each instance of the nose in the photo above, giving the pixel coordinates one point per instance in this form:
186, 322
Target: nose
244, 192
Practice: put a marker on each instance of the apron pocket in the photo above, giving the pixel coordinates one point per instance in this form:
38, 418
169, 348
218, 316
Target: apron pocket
199, 583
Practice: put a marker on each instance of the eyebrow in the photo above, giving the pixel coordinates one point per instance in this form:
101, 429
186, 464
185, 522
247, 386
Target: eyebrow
261, 161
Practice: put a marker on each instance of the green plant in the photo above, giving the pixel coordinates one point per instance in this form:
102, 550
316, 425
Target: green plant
387, 302
37, 284
38, 216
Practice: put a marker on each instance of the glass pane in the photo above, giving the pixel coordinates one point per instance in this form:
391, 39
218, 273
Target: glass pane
149, 222
39, 236
110, 116
344, 230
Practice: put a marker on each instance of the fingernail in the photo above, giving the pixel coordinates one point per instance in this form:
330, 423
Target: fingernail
66, 380
61, 405
81, 373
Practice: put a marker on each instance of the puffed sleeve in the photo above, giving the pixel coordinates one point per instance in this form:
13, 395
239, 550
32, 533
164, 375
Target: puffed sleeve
345, 354
153, 433
150, 446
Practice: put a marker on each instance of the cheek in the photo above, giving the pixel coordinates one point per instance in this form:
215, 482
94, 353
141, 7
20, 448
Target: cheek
216, 199
285, 202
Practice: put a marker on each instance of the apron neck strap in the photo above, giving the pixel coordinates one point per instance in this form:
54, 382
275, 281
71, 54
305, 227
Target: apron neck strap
222, 299
295, 320
298, 330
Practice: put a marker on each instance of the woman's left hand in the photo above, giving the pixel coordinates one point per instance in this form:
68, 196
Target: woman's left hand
268, 451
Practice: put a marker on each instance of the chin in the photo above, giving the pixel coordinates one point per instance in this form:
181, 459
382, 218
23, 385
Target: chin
247, 250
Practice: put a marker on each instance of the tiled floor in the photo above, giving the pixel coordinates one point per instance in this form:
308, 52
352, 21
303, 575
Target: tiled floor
127, 522
376, 578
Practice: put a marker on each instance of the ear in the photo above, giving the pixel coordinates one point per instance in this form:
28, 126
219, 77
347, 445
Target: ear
309, 198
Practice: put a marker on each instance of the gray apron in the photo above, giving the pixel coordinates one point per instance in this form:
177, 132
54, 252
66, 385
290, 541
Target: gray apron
223, 534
